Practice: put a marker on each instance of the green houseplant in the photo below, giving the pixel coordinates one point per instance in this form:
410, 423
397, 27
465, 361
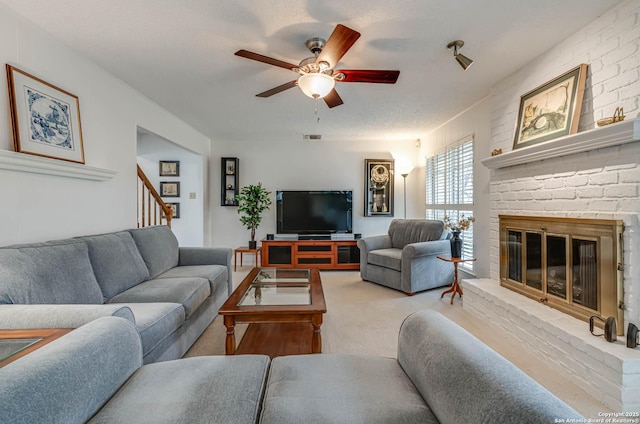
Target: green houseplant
252, 201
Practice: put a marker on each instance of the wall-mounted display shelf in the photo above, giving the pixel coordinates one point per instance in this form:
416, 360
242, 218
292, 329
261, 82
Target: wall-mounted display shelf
15, 161
229, 181
611, 135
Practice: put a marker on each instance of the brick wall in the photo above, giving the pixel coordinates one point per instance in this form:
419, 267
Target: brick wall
598, 184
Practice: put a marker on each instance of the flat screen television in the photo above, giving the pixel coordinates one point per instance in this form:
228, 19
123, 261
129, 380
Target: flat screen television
313, 212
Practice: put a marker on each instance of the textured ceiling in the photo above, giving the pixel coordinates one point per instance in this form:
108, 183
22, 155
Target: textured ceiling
180, 54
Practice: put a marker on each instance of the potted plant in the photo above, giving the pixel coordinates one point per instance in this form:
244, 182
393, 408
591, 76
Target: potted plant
252, 201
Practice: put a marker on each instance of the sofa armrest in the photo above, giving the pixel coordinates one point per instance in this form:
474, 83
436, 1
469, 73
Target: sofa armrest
69, 379
450, 367
206, 256
426, 248
58, 316
367, 244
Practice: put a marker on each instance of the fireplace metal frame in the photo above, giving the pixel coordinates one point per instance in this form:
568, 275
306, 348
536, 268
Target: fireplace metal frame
607, 234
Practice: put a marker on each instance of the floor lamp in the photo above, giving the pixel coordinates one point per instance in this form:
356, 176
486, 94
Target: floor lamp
404, 182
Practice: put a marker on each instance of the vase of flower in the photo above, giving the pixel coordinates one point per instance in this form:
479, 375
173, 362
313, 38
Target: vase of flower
456, 245
456, 227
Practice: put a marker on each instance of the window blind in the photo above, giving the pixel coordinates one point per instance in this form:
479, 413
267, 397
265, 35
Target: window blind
449, 190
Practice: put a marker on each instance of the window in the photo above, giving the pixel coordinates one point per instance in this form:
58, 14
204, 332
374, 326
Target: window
449, 189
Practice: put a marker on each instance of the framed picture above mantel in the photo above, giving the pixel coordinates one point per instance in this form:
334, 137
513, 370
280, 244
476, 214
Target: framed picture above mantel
45, 118
551, 110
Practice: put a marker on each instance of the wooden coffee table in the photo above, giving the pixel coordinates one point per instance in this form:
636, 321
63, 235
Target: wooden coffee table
284, 308
15, 344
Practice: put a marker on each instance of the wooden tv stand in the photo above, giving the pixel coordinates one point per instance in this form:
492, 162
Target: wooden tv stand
322, 254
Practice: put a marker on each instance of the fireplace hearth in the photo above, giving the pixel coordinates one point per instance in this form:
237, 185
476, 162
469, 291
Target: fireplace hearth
573, 265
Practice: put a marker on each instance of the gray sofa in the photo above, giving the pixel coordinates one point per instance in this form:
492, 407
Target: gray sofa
95, 374
171, 293
405, 258
443, 374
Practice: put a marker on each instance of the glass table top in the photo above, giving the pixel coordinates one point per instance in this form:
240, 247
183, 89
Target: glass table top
276, 294
275, 275
9, 347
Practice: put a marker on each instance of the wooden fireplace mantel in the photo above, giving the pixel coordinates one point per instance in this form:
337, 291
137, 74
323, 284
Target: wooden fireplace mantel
611, 135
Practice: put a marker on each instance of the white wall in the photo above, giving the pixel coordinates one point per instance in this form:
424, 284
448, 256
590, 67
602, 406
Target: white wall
39, 207
297, 164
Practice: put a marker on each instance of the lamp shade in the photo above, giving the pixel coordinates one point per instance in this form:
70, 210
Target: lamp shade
316, 85
464, 61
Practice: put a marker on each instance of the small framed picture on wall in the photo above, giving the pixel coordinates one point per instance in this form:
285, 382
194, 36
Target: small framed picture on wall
169, 168
175, 209
170, 189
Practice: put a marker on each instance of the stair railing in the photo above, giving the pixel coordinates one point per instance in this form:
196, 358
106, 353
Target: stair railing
152, 210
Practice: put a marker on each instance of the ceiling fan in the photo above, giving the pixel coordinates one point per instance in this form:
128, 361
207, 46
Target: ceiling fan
317, 75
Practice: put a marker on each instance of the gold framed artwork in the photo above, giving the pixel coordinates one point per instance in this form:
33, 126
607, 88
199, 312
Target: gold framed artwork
45, 118
378, 177
551, 110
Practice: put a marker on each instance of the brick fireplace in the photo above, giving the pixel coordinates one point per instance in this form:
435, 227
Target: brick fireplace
592, 175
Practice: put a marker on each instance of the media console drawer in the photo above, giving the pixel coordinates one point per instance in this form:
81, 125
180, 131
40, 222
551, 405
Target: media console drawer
323, 254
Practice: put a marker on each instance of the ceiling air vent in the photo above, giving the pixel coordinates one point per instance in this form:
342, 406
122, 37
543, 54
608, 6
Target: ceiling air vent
312, 137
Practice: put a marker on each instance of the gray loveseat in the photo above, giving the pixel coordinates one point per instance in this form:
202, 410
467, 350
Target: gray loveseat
443, 374
405, 258
171, 293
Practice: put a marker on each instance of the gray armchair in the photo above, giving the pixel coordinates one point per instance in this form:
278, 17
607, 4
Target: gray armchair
405, 259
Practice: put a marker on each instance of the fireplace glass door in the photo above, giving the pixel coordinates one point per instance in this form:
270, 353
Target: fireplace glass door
570, 264
585, 273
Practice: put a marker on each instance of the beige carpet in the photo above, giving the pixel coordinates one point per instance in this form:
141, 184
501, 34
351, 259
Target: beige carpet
365, 318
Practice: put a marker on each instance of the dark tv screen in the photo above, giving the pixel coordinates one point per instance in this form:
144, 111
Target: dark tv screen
314, 212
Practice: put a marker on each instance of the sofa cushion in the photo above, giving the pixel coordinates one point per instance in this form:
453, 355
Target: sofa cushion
188, 292
405, 231
332, 388
158, 247
216, 274
57, 272
388, 258
156, 321
209, 389
116, 262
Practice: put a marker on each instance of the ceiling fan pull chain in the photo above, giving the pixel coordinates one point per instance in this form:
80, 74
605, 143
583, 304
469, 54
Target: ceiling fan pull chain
316, 110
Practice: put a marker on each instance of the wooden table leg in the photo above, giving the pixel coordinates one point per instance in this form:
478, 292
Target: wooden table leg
230, 344
455, 287
235, 261
316, 338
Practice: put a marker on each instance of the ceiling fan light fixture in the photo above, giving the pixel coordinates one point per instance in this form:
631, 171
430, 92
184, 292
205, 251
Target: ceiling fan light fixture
316, 85
463, 60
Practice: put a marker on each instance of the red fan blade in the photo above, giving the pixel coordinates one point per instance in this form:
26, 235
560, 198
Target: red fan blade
265, 59
340, 41
278, 89
368, 75
333, 99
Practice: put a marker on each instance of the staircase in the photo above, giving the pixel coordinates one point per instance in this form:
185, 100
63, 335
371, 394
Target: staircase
151, 208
